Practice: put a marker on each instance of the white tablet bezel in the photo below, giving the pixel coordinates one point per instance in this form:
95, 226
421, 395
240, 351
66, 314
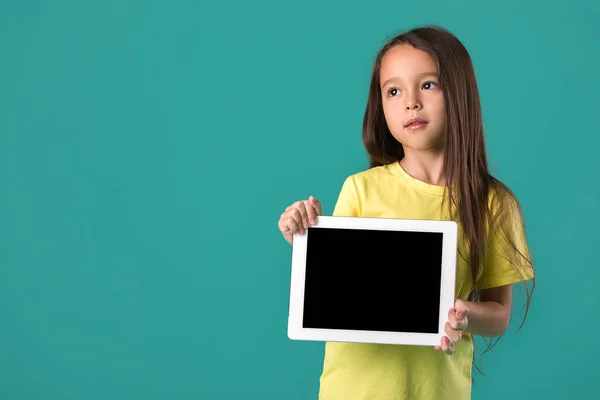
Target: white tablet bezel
448, 278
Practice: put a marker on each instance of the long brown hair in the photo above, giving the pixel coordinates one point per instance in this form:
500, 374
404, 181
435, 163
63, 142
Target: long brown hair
469, 184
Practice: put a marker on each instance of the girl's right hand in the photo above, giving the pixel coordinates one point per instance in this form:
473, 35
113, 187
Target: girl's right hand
298, 217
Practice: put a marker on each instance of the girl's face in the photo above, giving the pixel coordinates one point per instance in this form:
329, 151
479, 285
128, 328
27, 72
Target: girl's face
413, 102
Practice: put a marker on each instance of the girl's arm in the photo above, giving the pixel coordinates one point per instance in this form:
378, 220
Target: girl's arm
491, 315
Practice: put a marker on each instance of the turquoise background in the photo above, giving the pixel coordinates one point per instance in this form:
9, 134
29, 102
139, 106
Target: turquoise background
147, 149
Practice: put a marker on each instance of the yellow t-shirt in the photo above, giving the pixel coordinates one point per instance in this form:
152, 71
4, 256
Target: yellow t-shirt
354, 371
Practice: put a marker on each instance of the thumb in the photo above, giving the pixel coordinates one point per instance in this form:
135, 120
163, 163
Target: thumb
316, 205
461, 309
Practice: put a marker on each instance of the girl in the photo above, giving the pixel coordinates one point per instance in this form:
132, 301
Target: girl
423, 132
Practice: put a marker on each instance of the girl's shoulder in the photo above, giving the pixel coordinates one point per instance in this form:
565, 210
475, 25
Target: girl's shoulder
502, 201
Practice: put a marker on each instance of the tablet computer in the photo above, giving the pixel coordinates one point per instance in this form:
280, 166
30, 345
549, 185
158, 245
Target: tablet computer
373, 280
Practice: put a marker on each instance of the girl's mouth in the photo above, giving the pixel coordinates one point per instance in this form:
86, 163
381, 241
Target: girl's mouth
415, 123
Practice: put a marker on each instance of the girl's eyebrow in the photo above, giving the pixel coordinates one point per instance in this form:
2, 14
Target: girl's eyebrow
422, 75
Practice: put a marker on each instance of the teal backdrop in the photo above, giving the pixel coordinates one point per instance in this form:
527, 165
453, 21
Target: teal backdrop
147, 149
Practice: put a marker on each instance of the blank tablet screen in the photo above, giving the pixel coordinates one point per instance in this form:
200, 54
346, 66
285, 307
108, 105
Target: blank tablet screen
359, 279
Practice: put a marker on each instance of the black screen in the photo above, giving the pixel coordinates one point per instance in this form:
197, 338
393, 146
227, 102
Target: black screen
373, 280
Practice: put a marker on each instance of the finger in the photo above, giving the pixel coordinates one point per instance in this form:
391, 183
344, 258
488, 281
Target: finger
311, 212
302, 207
444, 344
461, 308
288, 226
454, 334
316, 205
283, 223
447, 345
452, 320
295, 221
299, 209
283, 227
455, 322
452, 317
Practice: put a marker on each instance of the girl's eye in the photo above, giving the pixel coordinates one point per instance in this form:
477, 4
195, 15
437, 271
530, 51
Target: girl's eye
393, 92
429, 85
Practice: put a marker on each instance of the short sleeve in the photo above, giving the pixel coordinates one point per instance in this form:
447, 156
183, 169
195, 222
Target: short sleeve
347, 204
507, 259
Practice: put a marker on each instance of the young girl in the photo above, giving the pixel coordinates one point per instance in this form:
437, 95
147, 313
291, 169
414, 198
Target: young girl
423, 131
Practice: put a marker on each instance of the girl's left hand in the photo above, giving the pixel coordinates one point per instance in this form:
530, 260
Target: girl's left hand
457, 323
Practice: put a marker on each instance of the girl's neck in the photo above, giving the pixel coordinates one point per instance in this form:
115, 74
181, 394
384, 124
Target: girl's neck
426, 167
